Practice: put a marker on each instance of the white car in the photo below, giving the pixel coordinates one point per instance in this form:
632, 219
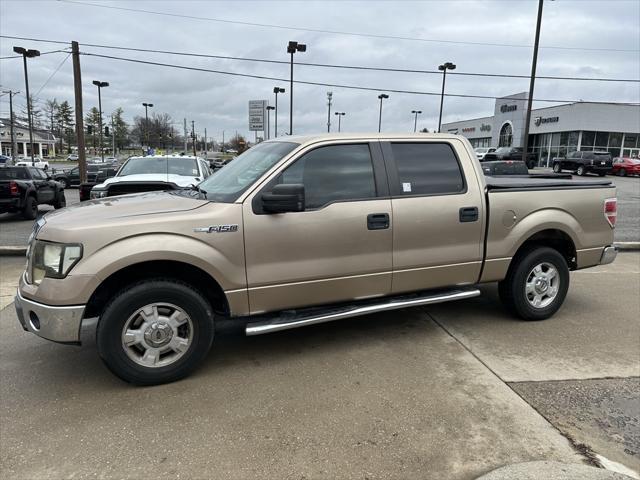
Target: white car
482, 151
38, 163
152, 173
73, 158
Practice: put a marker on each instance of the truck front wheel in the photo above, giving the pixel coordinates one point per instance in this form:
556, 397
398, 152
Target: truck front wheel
155, 331
536, 284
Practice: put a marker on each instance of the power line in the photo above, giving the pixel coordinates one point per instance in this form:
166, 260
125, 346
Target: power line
339, 32
20, 56
52, 75
326, 65
334, 85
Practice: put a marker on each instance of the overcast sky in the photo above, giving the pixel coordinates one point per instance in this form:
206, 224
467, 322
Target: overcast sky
219, 102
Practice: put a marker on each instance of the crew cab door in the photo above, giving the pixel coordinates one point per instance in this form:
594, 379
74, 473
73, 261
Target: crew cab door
437, 214
338, 248
45, 191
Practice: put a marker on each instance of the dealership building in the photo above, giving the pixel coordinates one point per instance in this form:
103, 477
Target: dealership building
555, 131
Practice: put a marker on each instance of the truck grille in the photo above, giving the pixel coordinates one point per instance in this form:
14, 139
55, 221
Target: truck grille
124, 188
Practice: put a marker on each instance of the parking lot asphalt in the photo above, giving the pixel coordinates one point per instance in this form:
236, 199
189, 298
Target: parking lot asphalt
434, 392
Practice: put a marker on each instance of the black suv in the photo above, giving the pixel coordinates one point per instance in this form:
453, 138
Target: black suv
585, 162
96, 173
22, 189
511, 153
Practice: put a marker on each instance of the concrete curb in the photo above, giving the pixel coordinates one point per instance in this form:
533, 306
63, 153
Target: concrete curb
6, 251
552, 471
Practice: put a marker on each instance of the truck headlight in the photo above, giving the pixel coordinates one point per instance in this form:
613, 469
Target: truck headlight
97, 193
53, 260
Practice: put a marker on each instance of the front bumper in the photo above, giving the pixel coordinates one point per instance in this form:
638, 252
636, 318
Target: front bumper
58, 324
608, 255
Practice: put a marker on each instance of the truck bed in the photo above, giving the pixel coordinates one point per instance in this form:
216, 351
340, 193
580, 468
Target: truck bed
541, 182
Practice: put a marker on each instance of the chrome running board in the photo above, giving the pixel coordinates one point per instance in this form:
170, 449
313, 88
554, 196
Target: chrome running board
295, 319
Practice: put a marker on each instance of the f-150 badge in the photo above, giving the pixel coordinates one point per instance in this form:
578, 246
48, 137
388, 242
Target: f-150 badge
217, 229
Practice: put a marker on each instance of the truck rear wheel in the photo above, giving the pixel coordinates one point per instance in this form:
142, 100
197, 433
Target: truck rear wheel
154, 332
557, 168
536, 284
30, 209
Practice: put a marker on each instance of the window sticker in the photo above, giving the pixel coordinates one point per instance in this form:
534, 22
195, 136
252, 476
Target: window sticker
406, 186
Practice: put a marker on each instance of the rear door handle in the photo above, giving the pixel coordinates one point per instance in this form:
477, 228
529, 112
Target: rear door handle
469, 214
377, 221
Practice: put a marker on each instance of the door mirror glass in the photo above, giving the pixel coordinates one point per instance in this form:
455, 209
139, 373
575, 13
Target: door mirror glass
284, 198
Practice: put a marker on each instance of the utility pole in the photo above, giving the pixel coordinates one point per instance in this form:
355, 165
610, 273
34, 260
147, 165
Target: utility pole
113, 137
531, 83
193, 136
205, 143
329, 95
77, 86
222, 149
185, 136
28, 53
11, 123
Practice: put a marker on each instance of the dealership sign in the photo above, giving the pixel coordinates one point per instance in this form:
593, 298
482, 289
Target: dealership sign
508, 108
485, 127
257, 110
468, 129
539, 120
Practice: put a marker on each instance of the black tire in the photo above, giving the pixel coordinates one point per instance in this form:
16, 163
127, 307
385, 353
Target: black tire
132, 298
531, 165
557, 168
581, 171
64, 182
60, 201
30, 209
602, 174
622, 172
512, 288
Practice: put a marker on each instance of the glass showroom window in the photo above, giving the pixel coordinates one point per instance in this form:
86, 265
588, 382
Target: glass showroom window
506, 136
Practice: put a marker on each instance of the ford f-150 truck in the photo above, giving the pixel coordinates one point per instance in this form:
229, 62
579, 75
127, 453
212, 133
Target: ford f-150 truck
303, 230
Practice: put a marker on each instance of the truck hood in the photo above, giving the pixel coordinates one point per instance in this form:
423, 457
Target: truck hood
115, 209
179, 180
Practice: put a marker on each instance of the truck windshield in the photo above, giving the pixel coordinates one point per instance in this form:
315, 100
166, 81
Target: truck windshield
237, 176
163, 165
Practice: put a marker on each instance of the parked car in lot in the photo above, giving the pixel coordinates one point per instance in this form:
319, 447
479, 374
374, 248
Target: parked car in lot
22, 189
220, 162
96, 173
73, 157
482, 151
585, 162
511, 153
152, 173
302, 231
623, 166
504, 167
37, 163
5, 161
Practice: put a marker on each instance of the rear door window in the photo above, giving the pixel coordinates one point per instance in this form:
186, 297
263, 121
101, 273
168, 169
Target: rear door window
427, 169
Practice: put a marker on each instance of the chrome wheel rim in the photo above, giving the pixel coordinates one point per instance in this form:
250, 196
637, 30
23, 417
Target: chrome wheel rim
157, 335
542, 285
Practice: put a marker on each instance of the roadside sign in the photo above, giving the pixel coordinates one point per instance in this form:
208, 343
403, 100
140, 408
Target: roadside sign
257, 111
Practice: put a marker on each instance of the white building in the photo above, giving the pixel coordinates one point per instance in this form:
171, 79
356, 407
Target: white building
44, 143
554, 131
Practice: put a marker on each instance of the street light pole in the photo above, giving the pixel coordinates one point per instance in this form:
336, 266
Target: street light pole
415, 120
100, 85
28, 53
444, 67
340, 115
269, 108
292, 48
532, 81
146, 121
276, 90
381, 97
329, 95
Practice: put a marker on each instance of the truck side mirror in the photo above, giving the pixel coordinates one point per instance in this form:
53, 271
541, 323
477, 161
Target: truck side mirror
284, 198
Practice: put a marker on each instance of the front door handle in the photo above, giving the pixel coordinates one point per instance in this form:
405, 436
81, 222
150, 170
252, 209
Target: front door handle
468, 214
377, 221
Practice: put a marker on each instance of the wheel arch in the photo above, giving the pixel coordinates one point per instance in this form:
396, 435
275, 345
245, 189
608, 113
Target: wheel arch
196, 277
554, 238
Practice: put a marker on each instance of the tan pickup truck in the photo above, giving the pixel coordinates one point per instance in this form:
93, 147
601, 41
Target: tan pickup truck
303, 230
